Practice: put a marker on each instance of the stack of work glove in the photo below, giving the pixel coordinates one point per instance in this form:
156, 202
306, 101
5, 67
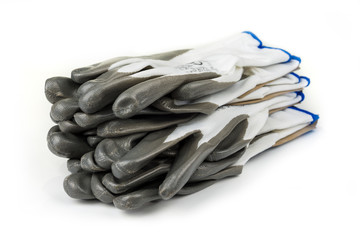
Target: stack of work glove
141, 129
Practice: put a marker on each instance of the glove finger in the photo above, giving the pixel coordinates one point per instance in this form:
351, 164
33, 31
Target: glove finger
104, 93
58, 88
78, 186
93, 141
88, 164
209, 168
93, 120
70, 126
90, 132
195, 150
118, 187
197, 89
99, 191
84, 74
227, 172
170, 152
67, 145
64, 109
169, 105
231, 144
138, 97
139, 198
111, 149
104, 78
165, 56
138, 64
142, 153
122, 127
136, 199
73, 165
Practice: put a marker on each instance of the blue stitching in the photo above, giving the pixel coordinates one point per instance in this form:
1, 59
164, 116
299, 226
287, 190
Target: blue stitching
301, 94
298, 77
307, 79
296, 58
255, 37
261, 46
314, 116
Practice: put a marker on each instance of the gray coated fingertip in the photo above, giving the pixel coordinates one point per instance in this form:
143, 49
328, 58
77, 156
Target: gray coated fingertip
64, 109
99, 191
88, 164
77, 75
78, 186
166, 192
128, 202
118, 172
137, 199
73, 165
67, 145
125, 107
93, 141
58, 88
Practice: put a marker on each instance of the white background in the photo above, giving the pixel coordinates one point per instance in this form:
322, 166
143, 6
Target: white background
306, 189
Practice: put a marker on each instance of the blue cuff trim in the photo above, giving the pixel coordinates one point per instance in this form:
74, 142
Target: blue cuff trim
298, 77
307, 79
315, 117
255, 37
301, 94
296, 58
262, 46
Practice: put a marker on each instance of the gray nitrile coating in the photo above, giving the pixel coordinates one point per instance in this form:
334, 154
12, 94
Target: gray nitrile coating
89, 132
104, 93
227, 172
147, 129
99, 191
231, 144
170, 152
189, 158
93, 141
78, 185
136, 199
191, 188
138, 97
93, 120
122, 127
73, 165
88, 164
168, 105
209, 168
51, 131
70, 126
84, 74
139, 198
107, 76
64, 109
146, 150
194, 90
112, 149
58, 88
100, 92
117, 187
67, 145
